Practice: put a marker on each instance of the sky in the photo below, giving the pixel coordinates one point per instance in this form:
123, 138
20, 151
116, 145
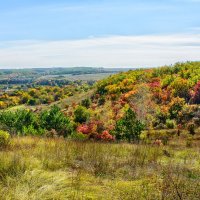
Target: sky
98, 33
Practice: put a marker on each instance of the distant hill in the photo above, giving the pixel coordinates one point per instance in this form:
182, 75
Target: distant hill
28, 76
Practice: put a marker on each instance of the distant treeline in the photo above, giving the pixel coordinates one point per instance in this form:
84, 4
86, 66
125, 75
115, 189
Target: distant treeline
60, 71
47, 76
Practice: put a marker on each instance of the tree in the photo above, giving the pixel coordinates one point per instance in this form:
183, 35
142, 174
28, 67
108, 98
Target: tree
32, 102
180, 88
81, 114
196, 94
25, 98
101, 101
128, 127
55, 119
7, 121
86, 102
16, 121
175, 106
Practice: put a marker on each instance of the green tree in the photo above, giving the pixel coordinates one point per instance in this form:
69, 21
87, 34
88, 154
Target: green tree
86, 102
25, 118
128, 127
16, 121
8, 121
55, 119
32, 102
81, 114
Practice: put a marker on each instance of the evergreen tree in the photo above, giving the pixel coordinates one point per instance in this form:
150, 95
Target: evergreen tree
128, 127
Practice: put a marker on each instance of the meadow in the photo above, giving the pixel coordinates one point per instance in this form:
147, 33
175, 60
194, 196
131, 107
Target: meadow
33, 168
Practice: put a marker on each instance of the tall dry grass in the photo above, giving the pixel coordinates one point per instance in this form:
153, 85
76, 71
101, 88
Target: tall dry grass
39, 168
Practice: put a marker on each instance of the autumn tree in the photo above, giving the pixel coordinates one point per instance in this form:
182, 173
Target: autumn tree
196, 94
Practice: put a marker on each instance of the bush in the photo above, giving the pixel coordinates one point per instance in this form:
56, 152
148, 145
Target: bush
30, 130
170, 124
79, 136
101, 101
86, 103
191, 128
81, 114
55, 119
15, 121
4, 138
106, 136
51, 134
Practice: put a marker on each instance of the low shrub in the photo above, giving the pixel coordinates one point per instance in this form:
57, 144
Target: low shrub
106, 136
191, 128
86, 102
79, 136
170, 124
4, 138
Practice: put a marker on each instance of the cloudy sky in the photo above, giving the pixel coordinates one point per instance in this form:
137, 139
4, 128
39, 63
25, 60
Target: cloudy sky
98, 33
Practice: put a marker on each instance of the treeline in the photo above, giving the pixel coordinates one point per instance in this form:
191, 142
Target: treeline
36, 72
43, 82
38, 95
55, 123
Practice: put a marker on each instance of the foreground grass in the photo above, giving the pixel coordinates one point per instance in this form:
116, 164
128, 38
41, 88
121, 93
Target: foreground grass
34, 169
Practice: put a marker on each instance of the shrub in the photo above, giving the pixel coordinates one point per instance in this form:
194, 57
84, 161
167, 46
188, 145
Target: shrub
170, 124
32, 102
158, 143
101, 101
17, 120
30, 130
160, 126
86, 103
81, 114
84, 129
191, 128
51, 134
163, 135
106, 136
55, 119
4, 138
79, 136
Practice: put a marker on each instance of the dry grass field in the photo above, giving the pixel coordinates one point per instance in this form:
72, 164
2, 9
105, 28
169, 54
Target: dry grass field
58, 169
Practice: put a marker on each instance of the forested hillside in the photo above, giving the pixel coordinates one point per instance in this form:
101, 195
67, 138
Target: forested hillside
119, 107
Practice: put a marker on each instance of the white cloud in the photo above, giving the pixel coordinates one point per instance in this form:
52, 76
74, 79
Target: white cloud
112, 51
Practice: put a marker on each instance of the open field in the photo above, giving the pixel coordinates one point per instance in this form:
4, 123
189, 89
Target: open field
40, 168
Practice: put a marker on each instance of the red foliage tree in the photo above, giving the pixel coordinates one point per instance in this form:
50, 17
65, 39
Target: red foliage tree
106, 136
85, 129
196, 94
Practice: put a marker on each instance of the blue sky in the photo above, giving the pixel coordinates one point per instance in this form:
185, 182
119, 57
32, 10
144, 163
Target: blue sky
26, 24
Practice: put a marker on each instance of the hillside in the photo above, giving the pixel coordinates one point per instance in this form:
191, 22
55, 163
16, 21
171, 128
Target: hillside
161, 98
132, 135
